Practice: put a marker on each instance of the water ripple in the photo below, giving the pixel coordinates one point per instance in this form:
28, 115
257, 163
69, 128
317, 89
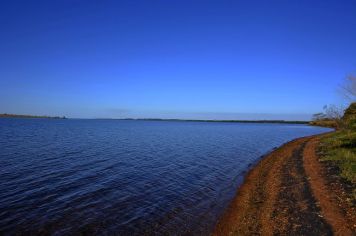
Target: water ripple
64, 177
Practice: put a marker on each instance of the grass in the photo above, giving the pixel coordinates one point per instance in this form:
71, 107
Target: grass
340, 148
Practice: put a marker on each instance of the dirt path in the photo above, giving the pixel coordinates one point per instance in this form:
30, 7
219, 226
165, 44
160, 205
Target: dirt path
287, 194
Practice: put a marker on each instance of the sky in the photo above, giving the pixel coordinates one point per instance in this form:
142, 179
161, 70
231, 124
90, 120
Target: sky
175, 59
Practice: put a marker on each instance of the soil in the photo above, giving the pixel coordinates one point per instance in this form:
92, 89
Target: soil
290, 192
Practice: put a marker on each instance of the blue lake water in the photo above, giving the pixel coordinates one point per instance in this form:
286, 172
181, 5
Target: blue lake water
126, 177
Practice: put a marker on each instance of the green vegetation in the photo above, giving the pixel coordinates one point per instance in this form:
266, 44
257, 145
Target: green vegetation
324, 123
349, 118
340, 147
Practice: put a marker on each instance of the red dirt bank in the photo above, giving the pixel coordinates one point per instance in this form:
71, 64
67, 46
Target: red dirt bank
289, 193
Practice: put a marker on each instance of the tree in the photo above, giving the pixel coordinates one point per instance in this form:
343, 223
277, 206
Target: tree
349, 117
348, 88
335, 113
331, 117
319, 116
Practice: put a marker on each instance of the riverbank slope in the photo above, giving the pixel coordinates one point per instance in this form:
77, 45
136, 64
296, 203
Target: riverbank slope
290, 192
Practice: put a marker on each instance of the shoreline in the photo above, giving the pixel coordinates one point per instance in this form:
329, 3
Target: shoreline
300, 122
288, 191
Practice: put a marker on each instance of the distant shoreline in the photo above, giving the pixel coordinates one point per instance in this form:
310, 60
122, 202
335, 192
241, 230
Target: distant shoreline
158, 119
228, 121
30, 116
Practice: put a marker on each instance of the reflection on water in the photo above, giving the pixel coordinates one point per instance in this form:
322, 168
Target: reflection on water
126, 177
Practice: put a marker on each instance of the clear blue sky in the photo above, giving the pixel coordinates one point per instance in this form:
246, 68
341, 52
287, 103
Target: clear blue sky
175, 59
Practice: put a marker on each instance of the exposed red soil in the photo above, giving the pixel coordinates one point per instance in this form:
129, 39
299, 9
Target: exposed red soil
329, 191
288, 193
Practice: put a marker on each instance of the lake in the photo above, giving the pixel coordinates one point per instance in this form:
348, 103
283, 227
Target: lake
126, 177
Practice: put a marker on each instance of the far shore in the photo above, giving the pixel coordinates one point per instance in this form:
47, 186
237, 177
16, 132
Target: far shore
290, 192
5, 115
228, 121
159, 119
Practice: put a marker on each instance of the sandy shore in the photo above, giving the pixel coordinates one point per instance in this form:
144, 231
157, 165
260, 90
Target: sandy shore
290, 192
